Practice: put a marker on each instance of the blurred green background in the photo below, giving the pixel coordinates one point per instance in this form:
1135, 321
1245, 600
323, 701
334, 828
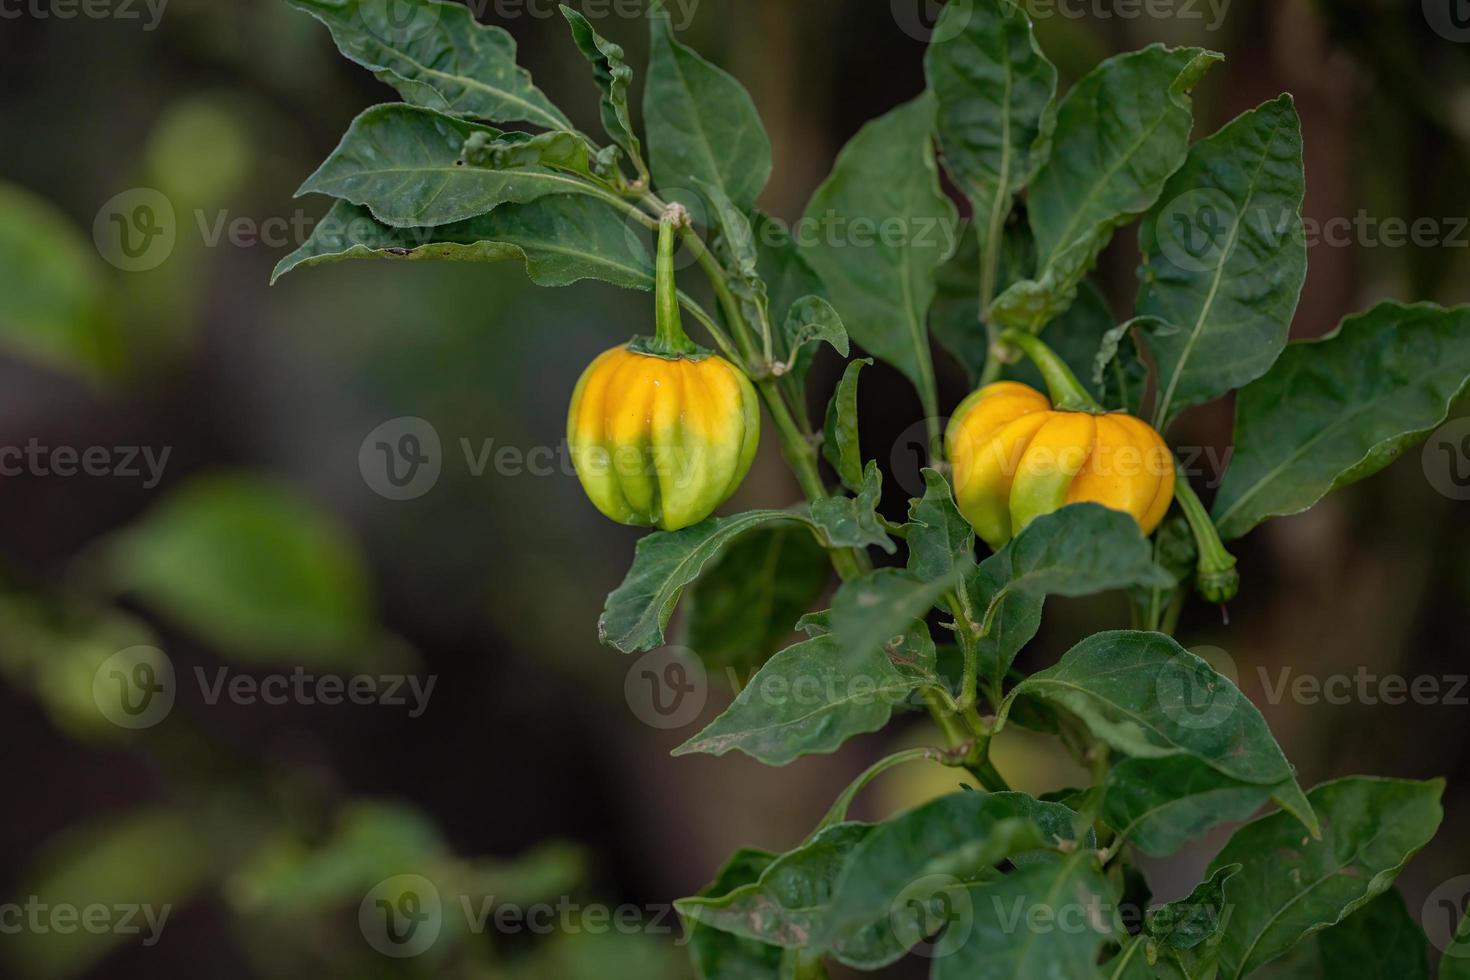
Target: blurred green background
227, 526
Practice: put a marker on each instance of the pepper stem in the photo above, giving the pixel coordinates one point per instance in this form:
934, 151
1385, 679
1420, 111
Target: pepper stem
1067, 393
669, 336
1217, 580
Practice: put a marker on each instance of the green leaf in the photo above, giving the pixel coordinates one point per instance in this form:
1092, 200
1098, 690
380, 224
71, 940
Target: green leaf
407, 166
1334, 411
996, 94
742, 608
1160, 805
884, 228
1291, 886
852, 522
720, 955
871, 610
1456, 962
251, 567
841, 446
954, 316
809, 699
701, 122
1120, 134
1183, 937
947, 843
789, 278
1381, 939
1148, 697
788, 902
940, 541
1043, 921
613, 77
1225, 258
1079, 550
440, 58
812, 320
51, 287
664, 563
561, 239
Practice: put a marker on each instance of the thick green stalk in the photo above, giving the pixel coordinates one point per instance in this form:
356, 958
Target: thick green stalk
670, 336
1067, 393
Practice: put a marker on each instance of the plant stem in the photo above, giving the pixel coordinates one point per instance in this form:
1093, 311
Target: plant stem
989, 272
1067, 393
670, 334
838, 812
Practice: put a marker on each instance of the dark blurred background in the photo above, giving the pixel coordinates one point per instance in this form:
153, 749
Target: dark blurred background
257, 548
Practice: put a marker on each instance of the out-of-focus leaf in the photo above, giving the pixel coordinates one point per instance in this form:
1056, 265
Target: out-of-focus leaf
50, 288
252, 567
720, 955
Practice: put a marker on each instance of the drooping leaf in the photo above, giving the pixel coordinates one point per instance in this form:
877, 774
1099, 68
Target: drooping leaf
940, 541
1225, 258
841, 446
1148, 697
439, 57
407, 165
744, 606
720, 955
852, 522
701, 122
664, 563
953, 841
561, 239
1018, 931
50, 287
996, 95
812, 320
1291, 886
1120, 134
883, 229
1183, 937
613, 76
250, 566
1160, 805
871, 610
1334, 411
1079, 550
1456, 962
811, 698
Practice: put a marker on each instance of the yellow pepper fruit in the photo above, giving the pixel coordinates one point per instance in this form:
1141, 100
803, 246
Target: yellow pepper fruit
1015, 458
662, 441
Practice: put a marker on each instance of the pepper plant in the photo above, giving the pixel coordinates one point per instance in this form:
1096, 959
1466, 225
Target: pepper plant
662, 430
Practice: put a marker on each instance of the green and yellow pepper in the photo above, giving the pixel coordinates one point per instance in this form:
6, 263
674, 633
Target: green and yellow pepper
662, 432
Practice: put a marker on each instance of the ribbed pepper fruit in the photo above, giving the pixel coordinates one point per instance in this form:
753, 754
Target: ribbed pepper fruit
1015, 459
662, 441
662, 431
